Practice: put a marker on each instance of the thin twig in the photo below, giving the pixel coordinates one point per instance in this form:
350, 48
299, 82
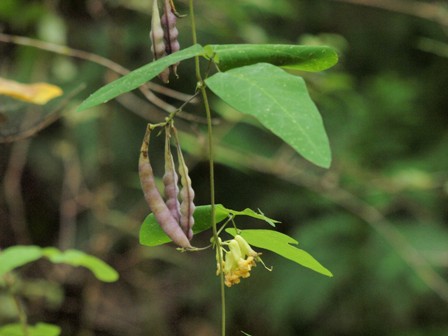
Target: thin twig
105, 62
115, 67
42, 123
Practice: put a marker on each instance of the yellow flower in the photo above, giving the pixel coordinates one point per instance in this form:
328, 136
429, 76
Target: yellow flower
237, 262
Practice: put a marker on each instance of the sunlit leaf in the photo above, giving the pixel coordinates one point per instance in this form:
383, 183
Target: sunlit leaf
297, 57
280, 243
40, 329
138, 77
36, 93
280, 101
16, 256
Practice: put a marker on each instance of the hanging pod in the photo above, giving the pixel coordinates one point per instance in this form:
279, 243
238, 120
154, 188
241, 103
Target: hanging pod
170, 179
155, 201
156, 36
164, 35
187, 206
171, 33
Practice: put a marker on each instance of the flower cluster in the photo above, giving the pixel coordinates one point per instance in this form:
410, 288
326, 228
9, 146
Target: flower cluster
238, 260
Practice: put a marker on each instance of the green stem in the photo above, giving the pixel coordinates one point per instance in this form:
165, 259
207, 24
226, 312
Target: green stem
20, 311
203, 90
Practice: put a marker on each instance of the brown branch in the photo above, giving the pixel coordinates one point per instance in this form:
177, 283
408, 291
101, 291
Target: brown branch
12, 183
429, 11
105, 62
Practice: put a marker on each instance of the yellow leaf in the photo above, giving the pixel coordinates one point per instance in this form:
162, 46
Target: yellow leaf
36, 93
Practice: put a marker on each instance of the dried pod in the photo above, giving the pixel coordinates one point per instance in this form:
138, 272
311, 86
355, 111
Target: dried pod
187, 206
170, 179
157, 37
155, 201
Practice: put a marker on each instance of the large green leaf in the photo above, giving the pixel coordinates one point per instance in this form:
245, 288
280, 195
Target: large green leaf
16, 256
138, 77
151, 234
297, 57
280, 101
40, 329
280, 243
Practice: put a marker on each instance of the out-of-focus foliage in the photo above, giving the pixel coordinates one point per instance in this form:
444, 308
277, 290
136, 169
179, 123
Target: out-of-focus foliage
377, 218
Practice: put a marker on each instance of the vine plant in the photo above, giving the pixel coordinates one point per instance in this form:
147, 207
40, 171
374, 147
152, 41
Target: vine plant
253, 79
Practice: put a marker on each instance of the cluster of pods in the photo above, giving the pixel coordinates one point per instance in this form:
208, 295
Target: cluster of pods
174, 217
164, 35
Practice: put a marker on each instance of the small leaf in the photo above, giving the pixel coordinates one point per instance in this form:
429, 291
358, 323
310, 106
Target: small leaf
40, 329
138, 77
280, 243
16, 256
280, 101
152, 235
36, 93
296, 57
253, 214
99, 268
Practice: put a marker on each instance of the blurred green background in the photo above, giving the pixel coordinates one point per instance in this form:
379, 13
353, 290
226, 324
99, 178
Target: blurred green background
378, 219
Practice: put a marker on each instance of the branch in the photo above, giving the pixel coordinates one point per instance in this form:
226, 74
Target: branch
429, 11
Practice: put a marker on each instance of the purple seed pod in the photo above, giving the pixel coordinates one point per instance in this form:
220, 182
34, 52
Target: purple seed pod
155, 201
170, 179
170, 32
187, 206
156, 35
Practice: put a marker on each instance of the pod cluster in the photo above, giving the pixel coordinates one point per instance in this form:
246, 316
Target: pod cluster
164, 35
174, 217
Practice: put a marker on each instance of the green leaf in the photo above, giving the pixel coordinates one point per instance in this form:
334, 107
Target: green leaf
297, 57
253, 214
280, 101
40, 329
16, 256
99, 268
151, 233
138, 77
281, 244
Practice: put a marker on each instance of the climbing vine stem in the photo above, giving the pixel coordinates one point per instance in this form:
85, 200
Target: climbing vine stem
202, 88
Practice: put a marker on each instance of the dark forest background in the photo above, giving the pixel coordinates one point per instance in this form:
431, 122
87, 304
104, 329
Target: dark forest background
378, 219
